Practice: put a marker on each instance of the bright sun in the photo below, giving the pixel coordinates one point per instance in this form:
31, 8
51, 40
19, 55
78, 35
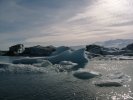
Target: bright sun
117, 5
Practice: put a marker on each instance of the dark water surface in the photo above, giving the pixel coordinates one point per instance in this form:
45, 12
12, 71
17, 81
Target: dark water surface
64, 86
7, 59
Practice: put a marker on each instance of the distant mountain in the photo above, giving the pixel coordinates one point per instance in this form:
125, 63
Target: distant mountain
118, 43
77, 47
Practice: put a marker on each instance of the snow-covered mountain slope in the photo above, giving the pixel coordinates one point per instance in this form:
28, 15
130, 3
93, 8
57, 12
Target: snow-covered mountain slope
118, 43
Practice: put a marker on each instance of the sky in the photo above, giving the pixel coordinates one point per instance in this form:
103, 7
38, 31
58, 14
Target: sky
64, 22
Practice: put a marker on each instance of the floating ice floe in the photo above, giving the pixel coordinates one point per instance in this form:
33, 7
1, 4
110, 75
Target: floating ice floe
108, 83
20, 69
119, 75
125, 58
28, 61
85, 74
113, 79
65, 66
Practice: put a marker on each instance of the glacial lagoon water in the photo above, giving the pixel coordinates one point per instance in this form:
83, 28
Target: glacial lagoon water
53, 85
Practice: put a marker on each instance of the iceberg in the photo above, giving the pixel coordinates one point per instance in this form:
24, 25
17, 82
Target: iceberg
85, 74
77, 56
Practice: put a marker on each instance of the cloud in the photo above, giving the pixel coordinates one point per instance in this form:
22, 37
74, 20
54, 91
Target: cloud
69, 22
110, 18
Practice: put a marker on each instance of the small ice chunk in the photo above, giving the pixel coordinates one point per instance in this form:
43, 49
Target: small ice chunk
45, 63
113, 79
116, 75
119, 75
108, 83
68, 63
64, 66
85, 74
125, 58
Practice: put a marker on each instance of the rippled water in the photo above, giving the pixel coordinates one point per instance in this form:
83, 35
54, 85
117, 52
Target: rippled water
64, 86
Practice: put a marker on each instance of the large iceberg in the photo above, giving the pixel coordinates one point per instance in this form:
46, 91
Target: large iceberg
77, 56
